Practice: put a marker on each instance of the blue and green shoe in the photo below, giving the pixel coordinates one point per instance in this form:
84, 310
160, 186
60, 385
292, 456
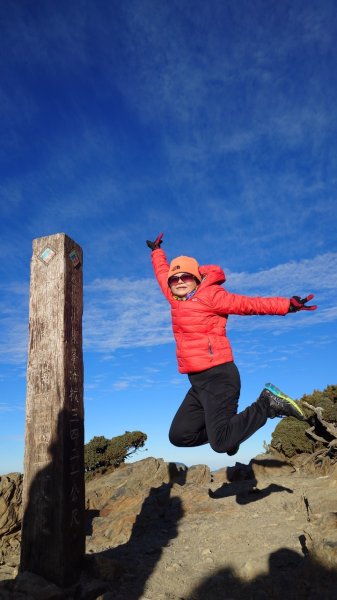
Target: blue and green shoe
279, 404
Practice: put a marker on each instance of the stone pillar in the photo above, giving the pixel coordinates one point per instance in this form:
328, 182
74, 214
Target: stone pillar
53, 531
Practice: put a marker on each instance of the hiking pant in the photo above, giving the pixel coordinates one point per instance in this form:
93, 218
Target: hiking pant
209, 411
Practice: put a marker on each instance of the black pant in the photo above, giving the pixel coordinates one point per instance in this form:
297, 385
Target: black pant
209, 411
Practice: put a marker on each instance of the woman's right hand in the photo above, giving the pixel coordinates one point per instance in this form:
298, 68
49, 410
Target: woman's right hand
157, 242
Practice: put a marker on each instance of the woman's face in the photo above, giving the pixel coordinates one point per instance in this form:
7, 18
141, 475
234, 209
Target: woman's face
182, 284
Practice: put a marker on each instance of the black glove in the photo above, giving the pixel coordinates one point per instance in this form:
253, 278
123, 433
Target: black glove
157, 242
297, 303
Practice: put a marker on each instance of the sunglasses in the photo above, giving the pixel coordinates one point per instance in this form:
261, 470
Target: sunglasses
184, 277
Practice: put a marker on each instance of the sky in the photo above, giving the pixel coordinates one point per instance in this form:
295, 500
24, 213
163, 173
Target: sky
214, 122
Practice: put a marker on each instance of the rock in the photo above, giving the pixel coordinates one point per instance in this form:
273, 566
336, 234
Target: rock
10, 523
268, 465
240, 472
38, 588
103, 567
93, 590
142, 488
158, 530
249, 570
141, 475
198, 474
10, 503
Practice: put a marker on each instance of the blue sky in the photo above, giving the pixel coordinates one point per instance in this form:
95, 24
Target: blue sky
214, 122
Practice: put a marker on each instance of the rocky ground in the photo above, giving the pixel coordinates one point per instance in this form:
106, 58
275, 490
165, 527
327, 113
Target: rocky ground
264, 531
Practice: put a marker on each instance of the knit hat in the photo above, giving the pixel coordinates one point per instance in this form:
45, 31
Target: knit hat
184, 264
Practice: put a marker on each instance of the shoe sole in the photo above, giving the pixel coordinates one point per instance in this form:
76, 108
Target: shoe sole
277, 392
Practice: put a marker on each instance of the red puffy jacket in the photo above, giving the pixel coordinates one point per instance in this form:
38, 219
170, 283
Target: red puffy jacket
199, 323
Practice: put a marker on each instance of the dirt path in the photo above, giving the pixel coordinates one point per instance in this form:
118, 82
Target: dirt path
230, 540
257, 532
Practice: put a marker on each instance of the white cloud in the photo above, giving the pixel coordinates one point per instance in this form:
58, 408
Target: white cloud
128, 314
296, 277
121, 385
6, 407
14, 323
125, 314
132, 313
14, 338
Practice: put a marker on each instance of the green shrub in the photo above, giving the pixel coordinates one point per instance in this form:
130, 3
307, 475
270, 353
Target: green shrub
290, 437
326, 400
101, 453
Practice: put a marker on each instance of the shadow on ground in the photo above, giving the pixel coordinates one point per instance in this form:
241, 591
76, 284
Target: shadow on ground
155, 526
243, 483
290, 576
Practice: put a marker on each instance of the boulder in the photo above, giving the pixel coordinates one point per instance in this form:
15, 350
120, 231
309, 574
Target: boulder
10, 503
10, 524
141, 475
269, 465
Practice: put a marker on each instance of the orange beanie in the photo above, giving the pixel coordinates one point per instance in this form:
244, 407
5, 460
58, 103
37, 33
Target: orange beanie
184, 264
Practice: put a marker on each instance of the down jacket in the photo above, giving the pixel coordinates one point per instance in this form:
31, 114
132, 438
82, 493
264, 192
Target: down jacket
199, 323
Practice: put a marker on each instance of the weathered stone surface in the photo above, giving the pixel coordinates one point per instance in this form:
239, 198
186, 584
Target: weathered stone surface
142, 475
267, 465
199, 474
10, 503
10, 550
10, 523
160, 534
150, 488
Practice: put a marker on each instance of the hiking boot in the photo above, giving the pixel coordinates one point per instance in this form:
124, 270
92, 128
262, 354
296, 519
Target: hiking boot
278, 404
233, 450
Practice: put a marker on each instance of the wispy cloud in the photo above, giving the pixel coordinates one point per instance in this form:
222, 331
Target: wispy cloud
13, 323
149, 378
8, 408
304, 275
128, 314
319, 273
125, 314
13, 346
132, 313
201, 81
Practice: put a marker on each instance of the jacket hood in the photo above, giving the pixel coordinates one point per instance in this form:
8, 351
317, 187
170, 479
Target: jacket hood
212, 274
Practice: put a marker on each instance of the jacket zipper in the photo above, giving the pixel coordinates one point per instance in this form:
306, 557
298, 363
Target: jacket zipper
210, 349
